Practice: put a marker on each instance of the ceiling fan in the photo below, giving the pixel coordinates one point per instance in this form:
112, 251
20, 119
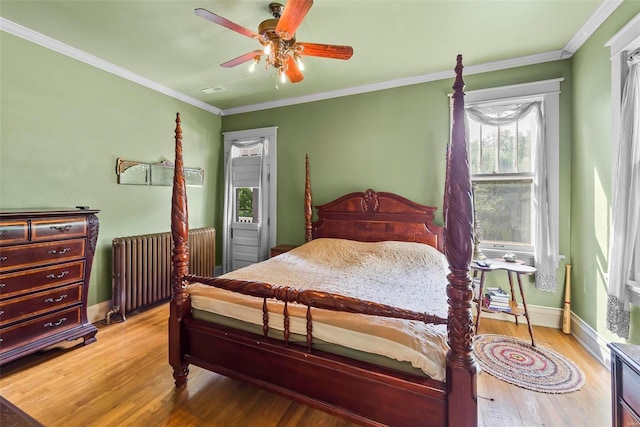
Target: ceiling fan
277, 36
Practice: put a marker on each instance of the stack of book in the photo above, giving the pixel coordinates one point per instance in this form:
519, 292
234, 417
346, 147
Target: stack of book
497, 299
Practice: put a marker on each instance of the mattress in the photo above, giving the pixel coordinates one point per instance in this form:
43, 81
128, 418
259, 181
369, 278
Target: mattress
402, 274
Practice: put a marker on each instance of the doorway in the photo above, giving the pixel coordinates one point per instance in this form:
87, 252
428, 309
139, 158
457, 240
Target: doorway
250, 197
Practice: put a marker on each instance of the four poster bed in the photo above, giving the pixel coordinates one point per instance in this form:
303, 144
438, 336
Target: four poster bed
363, 347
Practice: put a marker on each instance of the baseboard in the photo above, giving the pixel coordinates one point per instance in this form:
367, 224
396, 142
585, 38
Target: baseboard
538, 315
98, 312
589, 338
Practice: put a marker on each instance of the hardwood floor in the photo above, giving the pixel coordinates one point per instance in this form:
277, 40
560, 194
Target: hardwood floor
124, 379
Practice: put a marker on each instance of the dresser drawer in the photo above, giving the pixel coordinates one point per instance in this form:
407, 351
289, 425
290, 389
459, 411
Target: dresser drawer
14, 232
59, 228
630, 386
41, 253
628, 418
13, 336
39, 303
38, 279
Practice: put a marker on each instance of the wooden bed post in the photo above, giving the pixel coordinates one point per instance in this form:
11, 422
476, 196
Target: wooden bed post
458, 236
180, 302
308, 209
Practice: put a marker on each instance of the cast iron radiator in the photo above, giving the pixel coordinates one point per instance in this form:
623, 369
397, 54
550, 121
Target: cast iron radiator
141, 268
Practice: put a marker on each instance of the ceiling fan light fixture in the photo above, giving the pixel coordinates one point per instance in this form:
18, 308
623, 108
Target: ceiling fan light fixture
278, 39
254, 63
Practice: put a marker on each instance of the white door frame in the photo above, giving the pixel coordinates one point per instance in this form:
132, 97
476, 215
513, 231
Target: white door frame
269, 176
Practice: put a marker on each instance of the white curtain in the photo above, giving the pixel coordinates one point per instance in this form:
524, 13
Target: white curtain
624, 247
229, 199
545, 238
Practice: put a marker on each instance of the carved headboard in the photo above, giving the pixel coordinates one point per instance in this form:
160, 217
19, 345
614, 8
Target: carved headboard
375, 217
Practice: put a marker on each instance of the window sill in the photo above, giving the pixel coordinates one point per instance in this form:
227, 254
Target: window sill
527, 257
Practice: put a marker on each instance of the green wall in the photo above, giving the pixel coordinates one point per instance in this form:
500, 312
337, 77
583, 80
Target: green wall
64, 124
591, 174
392, 140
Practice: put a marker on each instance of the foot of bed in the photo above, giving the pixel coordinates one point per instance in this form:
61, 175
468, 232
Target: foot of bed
180, 375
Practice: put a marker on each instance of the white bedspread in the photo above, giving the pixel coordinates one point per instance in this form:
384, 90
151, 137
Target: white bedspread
401, 274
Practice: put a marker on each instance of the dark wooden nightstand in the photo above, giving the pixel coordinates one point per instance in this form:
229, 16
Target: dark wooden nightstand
280, 249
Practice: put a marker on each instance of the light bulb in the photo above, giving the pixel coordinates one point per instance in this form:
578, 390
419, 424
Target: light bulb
256, 61
300, 64
267, 48
283, 78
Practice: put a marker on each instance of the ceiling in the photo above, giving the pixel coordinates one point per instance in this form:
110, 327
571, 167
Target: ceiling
164, 45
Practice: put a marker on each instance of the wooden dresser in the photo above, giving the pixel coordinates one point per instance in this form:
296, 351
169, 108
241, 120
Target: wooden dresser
45, 265
625, 383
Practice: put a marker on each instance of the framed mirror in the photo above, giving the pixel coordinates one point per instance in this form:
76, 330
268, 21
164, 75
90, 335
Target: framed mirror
132, 172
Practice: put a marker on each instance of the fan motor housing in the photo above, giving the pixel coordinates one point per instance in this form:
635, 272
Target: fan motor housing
267, 29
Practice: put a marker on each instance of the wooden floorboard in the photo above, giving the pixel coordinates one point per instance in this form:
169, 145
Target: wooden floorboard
124, 379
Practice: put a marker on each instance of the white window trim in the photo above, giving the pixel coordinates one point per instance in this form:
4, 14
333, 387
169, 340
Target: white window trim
627, 39
549, 92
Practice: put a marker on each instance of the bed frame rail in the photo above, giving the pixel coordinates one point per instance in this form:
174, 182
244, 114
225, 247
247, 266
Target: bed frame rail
312, 299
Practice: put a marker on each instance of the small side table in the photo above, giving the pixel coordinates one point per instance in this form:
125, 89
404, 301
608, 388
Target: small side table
518, 268
280, 249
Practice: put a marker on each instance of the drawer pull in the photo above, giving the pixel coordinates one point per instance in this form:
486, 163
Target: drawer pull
56, 252
60, 298
4, 232
1, 339
3, 258
2, 285
59, 276
1, 312
61, 228
58, 323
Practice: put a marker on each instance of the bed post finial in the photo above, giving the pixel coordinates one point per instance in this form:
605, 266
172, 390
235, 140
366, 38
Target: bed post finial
179, 306
458, 83
458, 235
308, 210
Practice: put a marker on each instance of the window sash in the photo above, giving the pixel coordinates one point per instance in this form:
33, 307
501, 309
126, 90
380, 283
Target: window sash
507, 245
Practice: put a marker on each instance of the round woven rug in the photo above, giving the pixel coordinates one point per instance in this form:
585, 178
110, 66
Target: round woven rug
535, 368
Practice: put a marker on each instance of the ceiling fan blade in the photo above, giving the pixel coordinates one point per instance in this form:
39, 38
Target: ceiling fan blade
216, 19
293, 72
325, 50
293, 14
242, 58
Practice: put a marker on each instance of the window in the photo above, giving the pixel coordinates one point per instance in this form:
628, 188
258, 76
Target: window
513, 137
502, 173
246, 198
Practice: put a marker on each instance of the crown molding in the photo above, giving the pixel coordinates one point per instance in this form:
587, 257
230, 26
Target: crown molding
424, 78
626, 37
82, 56
601, 14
